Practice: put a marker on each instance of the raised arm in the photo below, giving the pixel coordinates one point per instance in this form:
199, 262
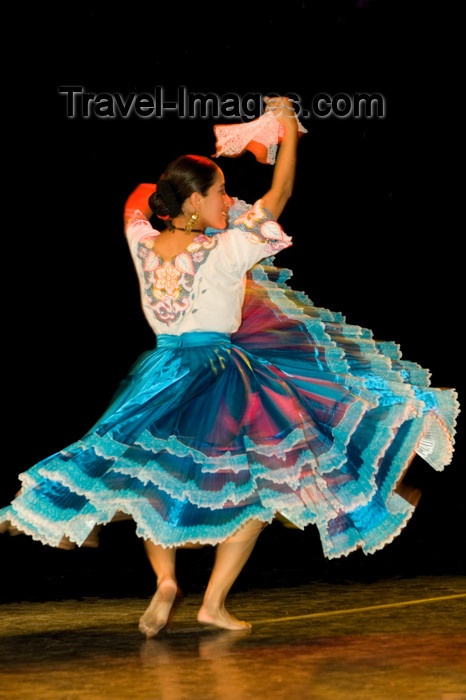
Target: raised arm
138, 200
285, 165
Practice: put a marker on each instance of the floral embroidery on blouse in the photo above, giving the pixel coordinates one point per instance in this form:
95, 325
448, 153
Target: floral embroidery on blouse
268, 231
169, 283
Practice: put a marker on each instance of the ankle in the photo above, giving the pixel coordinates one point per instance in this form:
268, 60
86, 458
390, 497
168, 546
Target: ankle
166, 580
213, 604
215, 594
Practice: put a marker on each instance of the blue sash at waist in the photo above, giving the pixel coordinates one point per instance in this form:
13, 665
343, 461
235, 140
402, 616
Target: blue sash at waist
186, 340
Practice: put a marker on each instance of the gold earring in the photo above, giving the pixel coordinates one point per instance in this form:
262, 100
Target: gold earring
189, 226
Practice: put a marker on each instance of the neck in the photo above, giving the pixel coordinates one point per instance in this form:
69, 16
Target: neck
193, 230
182, 225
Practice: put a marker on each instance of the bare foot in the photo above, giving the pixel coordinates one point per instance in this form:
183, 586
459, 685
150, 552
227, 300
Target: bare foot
157, 614
220, 617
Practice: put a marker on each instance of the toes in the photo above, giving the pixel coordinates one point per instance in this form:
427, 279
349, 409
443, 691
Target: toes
222, 621
150, 630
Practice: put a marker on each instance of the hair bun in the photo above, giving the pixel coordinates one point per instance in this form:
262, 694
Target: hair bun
183, 176
164, 202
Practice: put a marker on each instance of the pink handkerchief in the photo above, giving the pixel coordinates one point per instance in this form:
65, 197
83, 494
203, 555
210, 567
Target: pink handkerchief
260, 136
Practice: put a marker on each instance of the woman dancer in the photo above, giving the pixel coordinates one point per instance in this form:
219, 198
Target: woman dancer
254, 404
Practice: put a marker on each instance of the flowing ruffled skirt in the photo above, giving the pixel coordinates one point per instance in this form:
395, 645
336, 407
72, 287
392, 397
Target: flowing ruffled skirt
298, 415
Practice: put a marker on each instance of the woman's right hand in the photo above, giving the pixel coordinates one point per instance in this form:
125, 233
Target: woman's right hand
285, 166
283, 110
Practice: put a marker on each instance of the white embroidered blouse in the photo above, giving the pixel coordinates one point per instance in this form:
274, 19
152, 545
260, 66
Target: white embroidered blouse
202, 288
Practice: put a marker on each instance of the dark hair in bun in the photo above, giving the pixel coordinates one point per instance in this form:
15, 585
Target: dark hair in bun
185, 175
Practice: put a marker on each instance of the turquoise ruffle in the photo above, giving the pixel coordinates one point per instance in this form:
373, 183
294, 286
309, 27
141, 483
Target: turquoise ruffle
298, 414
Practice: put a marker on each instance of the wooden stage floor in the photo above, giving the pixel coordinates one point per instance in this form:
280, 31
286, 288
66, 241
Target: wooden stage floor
386, 640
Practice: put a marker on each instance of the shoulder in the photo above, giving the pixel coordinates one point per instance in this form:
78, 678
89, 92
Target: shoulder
243, 216
257, 225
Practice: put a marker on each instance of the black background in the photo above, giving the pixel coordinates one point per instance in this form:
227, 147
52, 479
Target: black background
369, 218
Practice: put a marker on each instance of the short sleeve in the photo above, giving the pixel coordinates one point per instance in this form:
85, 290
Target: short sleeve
137, 212
255, 235
138, 227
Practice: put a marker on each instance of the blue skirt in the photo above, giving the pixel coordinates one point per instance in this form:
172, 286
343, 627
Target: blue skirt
298, 415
